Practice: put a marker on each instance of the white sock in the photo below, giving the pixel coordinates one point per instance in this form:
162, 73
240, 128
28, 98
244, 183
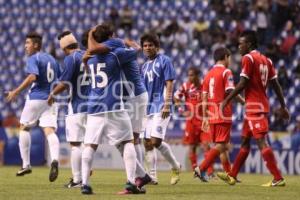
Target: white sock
151, 161
87, 160
140, 171
53, 143
139, 152
76, 163
129, 157
24, 145
167, 153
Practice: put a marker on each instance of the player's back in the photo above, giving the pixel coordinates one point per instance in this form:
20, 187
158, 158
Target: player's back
46, 69
259, 70
217, 81
128, 59
75, 73
106, 83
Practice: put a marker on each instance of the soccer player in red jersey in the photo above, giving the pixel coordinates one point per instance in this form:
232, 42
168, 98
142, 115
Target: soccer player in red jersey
190, 92
257, 72
216, 85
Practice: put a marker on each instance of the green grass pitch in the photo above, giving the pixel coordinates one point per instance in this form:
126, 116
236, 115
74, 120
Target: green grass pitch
106, 183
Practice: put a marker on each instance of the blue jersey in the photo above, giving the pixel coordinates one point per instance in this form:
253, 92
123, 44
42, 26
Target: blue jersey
106, 93
156, 72
46, 69
75, 75
133, 82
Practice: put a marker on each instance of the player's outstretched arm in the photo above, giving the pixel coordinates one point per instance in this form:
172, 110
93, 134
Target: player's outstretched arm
94, 47
27, 82
284, 113
240, 87
59, 88
133, 44
205, 123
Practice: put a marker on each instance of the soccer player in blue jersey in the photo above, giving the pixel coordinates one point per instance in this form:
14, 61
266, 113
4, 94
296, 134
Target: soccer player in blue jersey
135, 93
158, 73
75, 79
107, 117
42, 70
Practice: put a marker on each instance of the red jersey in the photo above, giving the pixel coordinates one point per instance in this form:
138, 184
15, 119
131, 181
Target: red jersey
192, 95
217, 81
258, 69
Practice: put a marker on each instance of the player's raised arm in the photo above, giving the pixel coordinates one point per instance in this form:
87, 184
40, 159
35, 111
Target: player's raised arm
93, 46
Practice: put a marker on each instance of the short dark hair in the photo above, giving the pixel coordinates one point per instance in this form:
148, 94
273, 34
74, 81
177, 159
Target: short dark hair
103, 32
195, 70
36, 38
221, 53
70, 46
84, 38
250, 37
150, 37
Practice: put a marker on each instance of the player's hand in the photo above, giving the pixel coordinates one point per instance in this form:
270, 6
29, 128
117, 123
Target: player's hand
205, 125
223, 105
50, 100
165, 111
86, 57
284, 113
11, 95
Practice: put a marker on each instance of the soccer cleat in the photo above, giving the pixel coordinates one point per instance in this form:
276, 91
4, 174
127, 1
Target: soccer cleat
53, 171
238, 180
23, 171
175, 176
153, 182
86, 189
132, 189
140, 182
199, 174
72, 184
279, 183
226, 178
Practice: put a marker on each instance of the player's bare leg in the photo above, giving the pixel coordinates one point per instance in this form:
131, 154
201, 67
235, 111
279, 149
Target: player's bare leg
53, 143
24, 145
167, 153
269, 158
151, 160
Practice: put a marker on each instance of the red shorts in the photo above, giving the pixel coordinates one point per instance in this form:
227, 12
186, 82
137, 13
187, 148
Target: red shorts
256, 125
194, 134
220, 132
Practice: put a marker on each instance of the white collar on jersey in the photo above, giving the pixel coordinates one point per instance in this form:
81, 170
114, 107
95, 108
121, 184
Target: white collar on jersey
219, 65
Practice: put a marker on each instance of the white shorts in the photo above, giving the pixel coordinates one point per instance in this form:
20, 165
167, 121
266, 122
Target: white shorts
113, 126
75, 127
39, 110
156, 126
137, 109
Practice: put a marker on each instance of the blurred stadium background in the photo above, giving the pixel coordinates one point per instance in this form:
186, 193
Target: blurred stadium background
189, 31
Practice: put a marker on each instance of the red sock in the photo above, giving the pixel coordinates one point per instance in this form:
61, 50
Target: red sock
212, 154
239, 161
270, 160
226, 166
210, 169
193, 159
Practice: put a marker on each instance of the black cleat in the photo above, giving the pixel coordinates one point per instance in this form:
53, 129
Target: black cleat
23, 171
72, 184
132, 189
140, 182
53, 171
86, 189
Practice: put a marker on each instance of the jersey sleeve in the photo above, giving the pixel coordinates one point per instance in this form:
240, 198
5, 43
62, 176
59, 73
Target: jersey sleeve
126, 55
180, 92
114, 43
228, 80
32, 66
205, 85
68, 70
247, 62
168, 70
272, 73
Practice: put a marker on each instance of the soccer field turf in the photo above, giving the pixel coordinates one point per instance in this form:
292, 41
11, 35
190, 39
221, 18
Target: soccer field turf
106, 183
